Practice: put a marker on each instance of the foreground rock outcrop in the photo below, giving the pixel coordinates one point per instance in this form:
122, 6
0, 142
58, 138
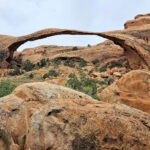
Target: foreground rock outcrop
132, 89
42, 116
134, 41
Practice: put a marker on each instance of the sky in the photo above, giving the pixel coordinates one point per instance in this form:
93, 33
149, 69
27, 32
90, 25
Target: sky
21, 17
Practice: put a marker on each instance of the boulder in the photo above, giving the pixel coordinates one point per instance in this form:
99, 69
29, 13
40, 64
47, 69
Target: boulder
132, 89
42, 116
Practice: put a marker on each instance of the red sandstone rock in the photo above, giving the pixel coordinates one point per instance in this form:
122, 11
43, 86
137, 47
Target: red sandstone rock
139, 21
132, 89
42, 116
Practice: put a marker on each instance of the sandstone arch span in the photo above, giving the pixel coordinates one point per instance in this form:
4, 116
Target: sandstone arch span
135, 43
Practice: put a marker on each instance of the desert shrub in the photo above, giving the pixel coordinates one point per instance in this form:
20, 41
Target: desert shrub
69, 62
95, 62
91, 71
85, 85
73, 82
28, 65
104, 68
15, 72
56, 62
51, 73
43, 62
82, 63
46, 75
114, 64
88, 85
74, 48
88, 45
31, 76
6, 87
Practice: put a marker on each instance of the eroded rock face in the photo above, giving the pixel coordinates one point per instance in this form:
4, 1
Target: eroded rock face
42, 116
135, 43
132, 89
138, 21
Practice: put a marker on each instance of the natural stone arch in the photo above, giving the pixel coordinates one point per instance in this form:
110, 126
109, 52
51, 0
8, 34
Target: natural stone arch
131, 44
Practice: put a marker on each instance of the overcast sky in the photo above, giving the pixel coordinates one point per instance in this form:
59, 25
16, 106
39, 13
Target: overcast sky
20, 17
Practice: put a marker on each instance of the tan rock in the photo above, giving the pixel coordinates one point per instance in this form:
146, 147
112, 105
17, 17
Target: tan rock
42, 116
117, 74
139, 21
132, 89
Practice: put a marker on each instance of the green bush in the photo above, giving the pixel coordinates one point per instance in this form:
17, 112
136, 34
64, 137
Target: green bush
95, 62
15, 72
73, 82
103, 69
74, 48
43, 62
31, 76
82, 63
85, 85
28, 65
51, 73
114, 64
56, 62
6, 87
46, 75
69, 62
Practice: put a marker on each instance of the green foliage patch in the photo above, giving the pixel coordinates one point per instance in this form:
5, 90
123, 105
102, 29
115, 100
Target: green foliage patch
6, 87
84, 84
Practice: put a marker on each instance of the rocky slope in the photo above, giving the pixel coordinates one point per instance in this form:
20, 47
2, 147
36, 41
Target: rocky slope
42, 116
134, 41
104, 51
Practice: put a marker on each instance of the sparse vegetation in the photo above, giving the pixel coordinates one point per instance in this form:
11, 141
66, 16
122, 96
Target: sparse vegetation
28, 65
82, 63
6, 87
56, 62
16, 72
74, 48
69, 62
31, 76
95, 62
51, 73
43, 62
85, 85
114, 64
103, 69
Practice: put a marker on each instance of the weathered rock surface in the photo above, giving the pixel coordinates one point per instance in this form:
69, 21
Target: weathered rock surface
132, 89
138, 21
42, 116
134, 41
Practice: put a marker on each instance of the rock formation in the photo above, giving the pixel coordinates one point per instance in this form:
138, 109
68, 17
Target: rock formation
134, 41
139, 20
132, 89
42, 116
104, 51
